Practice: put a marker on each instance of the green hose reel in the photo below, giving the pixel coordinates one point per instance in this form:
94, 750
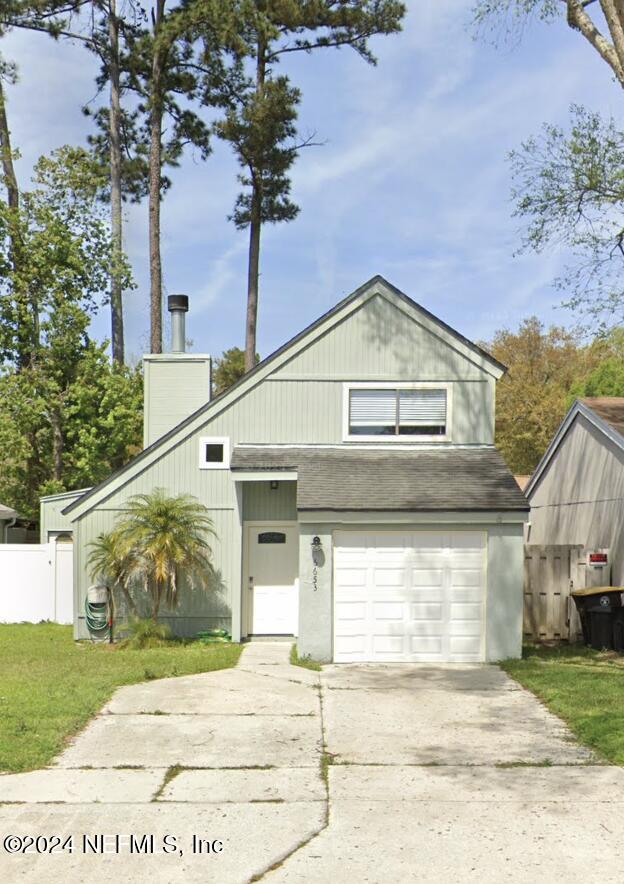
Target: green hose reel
97, 610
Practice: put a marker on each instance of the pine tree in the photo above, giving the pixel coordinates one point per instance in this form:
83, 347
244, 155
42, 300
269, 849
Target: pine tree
260, 122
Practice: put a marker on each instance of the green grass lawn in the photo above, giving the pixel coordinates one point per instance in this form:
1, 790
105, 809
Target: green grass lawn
583, 687
50, 686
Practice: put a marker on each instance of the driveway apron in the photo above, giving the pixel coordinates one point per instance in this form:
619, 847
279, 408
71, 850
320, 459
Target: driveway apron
366, 774
456, 774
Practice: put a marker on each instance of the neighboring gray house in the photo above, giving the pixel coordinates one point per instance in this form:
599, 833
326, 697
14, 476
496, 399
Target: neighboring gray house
577, 490
357, 496
7, 520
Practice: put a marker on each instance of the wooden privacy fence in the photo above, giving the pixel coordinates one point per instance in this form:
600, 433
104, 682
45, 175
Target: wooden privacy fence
550, 572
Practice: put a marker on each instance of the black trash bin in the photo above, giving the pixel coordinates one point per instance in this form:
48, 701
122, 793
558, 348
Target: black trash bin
618, 630
601, 626
602, 618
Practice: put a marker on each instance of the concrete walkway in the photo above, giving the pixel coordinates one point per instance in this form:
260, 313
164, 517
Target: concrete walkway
368, 774
230, 756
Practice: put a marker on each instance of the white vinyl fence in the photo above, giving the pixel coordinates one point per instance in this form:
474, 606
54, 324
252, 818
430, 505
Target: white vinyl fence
36, 582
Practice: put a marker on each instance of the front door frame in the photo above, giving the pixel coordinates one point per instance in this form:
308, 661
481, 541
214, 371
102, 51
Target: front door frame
247, 601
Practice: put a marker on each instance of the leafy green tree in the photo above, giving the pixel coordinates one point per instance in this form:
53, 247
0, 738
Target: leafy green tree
606, 377
162, 539
599, 22
568, 185
55, 255
260, 122
605, 380
568, 188
532, 398
229, 369
49, 368
59, 435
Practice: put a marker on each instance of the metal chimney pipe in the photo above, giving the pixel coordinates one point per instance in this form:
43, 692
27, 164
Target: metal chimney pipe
178, 306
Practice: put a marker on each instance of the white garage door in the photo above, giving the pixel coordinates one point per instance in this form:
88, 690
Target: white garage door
409, 596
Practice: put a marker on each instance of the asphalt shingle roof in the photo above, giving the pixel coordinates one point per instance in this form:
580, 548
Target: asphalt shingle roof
380, 480
610, 409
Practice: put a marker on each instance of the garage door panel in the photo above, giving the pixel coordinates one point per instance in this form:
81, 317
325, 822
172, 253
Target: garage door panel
465, 577
409, 596
420, 644
351, 646
433, 594
388, 644
353, 577
465, 611
351, 610
427, 577
461, 594
389, 611
465, 627
465, 646
389, 577
426, 611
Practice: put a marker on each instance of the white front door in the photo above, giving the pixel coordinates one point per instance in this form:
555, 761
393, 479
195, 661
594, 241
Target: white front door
273, 570
409, 596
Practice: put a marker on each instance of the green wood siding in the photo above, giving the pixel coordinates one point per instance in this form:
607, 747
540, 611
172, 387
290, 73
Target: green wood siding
382, 341
51, 516
278, 505
175, 385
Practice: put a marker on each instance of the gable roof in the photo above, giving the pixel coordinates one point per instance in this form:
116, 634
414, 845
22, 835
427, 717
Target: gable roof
605, 413
6, 512
377, 285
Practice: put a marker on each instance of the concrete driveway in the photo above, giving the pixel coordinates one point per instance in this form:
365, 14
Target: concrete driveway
370, 774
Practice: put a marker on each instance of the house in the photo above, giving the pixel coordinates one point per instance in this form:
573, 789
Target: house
577, 490
358, 500
8, 517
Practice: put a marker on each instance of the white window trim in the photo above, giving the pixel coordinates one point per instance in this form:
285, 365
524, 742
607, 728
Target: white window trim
397, 385
214, 440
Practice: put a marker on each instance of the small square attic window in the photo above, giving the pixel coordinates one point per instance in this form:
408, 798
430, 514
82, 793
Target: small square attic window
214, 453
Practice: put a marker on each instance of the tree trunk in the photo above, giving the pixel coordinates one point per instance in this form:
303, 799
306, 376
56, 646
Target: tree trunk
253, 275
156, 601
130, 605
8, 169
58, 445
117, 322
155, 168
27, 313
255, 227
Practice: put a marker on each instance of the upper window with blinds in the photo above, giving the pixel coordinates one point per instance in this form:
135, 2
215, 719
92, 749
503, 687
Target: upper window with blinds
398, 411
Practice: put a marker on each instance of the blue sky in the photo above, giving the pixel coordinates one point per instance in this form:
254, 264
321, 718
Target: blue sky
412, 181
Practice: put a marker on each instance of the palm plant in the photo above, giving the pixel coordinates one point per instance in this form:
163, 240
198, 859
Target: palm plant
161, 537
109, 560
